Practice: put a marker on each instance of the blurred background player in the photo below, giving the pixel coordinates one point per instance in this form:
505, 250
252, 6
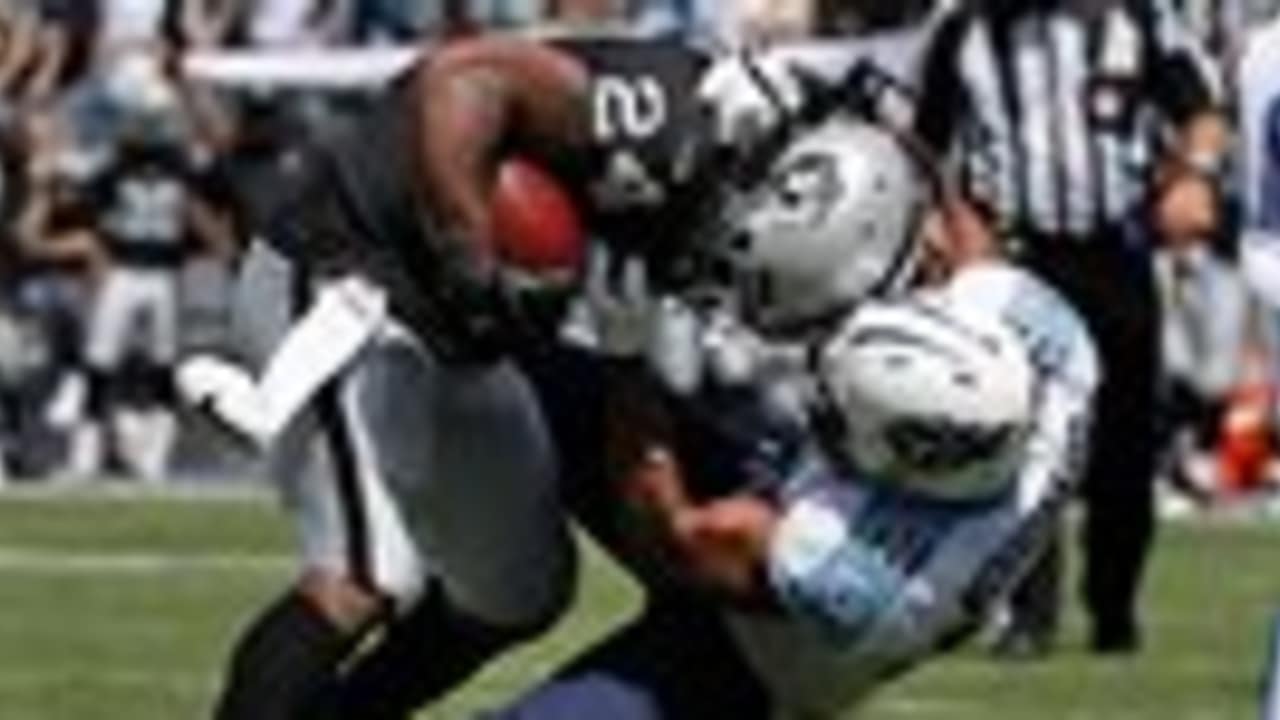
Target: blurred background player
58, 258
149, 196
1212, 344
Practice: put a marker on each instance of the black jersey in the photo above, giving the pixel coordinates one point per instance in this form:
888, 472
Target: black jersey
354, 187
359, 206
354, 204
142, 197
638, 177
639, 161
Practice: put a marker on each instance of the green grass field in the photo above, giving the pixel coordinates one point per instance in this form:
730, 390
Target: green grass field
123, 609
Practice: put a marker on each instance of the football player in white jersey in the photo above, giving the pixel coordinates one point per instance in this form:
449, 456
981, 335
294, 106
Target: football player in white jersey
937, 501
897, 461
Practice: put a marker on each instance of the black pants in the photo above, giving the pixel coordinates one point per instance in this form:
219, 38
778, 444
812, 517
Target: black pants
1111, 285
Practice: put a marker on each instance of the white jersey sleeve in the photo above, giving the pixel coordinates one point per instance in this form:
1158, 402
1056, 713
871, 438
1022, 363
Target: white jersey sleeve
1259, 103
874, 581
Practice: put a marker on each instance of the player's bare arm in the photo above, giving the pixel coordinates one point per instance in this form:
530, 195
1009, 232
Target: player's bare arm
955, 234
722, 545
485, 97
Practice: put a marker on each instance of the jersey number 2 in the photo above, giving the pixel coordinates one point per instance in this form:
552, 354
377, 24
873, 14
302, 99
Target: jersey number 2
628, 110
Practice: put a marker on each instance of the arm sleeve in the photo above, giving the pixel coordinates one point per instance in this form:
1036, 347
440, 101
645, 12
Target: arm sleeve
890, 580
849, 589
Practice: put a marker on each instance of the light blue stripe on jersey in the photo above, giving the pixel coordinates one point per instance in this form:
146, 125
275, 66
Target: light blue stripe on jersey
850, 575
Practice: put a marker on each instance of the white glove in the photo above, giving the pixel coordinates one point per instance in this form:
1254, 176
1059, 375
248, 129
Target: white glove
344, 318
749, 95
675, 352
620, 311
734, 354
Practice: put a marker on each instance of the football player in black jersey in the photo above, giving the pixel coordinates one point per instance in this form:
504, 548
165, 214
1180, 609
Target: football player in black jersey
419, 469
152, 208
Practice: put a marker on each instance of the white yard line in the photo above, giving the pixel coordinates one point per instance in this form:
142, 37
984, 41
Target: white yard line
51, 562
60, 492
917, 706
22, 677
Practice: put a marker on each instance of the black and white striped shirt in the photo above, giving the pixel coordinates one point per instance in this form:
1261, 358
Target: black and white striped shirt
1050, 109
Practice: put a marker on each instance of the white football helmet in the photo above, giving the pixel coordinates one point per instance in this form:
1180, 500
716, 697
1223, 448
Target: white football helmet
930, 395
835, 221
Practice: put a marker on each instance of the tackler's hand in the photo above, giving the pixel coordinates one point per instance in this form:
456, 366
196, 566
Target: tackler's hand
721, 546
955, 234
621, 308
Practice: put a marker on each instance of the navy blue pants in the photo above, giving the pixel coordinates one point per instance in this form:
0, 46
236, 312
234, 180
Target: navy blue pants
676, 660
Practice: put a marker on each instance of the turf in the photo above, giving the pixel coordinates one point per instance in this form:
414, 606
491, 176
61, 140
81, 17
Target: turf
115, 608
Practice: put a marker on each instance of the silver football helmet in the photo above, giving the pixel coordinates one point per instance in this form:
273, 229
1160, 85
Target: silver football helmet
835, 221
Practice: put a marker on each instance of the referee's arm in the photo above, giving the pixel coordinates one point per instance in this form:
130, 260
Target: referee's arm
962, 232
943, 100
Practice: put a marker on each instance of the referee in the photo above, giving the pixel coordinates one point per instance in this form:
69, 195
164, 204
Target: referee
1051, 111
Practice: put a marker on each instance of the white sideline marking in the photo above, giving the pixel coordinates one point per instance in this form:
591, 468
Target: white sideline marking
53, 562
939, 706
57, 493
